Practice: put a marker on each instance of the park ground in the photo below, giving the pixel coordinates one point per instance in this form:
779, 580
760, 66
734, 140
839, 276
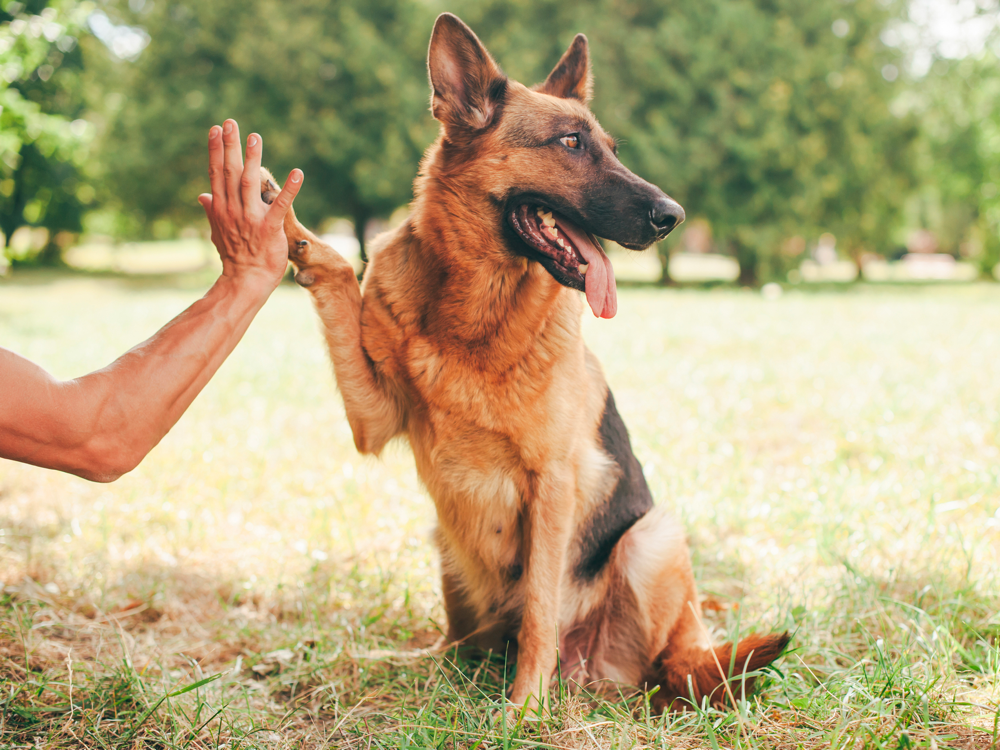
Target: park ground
255, 583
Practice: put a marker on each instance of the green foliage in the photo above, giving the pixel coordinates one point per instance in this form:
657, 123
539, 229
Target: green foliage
759, 117
959, 199
336, 89
769, 119
42, 140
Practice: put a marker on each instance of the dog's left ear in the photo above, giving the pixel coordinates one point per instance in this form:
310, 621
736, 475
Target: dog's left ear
467, 86
571, 78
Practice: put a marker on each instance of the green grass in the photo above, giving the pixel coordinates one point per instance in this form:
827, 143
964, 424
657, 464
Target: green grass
256, 584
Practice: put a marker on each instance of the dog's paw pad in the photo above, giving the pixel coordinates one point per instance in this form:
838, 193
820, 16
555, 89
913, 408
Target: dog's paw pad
305, 278
268, 187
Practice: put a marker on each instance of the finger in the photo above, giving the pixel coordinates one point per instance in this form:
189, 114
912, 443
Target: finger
215, 158
233, 164
206, 202
276, 213
250, 183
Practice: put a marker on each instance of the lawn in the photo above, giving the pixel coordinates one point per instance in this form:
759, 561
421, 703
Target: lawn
834, 457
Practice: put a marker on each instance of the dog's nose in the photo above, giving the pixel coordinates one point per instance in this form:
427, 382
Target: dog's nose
666, 214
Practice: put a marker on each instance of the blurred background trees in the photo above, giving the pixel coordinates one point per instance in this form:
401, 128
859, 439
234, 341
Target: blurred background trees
958, 105
774, 122
337, 89
43, 138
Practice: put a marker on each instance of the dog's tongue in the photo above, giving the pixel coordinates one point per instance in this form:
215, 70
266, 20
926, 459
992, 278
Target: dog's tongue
602, 294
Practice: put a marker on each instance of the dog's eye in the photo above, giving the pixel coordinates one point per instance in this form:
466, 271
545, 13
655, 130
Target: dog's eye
571, 141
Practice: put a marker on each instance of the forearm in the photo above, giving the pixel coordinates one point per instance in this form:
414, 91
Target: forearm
143, 393
101, 425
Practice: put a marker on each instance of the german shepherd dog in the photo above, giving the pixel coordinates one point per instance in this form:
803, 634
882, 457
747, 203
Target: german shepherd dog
465, 338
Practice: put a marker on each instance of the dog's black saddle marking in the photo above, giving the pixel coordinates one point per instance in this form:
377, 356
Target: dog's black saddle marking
629, 502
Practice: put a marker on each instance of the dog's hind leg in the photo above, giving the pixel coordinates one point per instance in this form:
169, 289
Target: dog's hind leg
637, 600
373, 412
646, 631
657, 564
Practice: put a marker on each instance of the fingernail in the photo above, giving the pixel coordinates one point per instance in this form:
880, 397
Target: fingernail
227, 128
251, 141
296, 176
214, 132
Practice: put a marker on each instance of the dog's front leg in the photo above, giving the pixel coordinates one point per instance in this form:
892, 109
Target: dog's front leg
549, 515
373, 412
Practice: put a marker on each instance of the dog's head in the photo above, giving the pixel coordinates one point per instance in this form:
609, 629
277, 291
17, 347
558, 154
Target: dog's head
548, 167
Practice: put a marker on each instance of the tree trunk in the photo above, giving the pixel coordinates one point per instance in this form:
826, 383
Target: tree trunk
360, 219
747, 258
51, 255
664, 254
11, 220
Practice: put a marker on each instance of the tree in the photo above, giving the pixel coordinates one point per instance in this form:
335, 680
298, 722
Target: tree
768, 118
42, 141
958, 104
336, 89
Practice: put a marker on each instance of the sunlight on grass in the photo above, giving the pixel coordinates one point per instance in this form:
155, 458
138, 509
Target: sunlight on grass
834, 457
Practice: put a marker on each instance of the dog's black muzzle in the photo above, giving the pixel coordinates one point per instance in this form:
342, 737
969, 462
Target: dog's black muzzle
626, 209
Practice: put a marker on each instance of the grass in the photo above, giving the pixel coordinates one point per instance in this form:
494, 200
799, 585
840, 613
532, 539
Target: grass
256, 584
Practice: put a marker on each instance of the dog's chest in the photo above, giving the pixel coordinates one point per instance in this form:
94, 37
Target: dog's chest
526, 396
481, 441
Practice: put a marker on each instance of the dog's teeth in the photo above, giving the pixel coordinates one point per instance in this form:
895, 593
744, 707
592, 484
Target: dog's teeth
583, 269
562, 244
545, 216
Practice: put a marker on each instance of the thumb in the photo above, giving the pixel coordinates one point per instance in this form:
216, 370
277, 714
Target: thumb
205, 199
276, 213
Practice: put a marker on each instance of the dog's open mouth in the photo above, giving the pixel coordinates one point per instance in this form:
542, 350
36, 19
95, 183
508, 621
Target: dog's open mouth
574, 257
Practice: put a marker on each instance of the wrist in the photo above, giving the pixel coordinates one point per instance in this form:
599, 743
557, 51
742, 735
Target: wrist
248, 288
251, 283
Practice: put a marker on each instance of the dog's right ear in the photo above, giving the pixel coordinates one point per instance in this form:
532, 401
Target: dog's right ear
467, 86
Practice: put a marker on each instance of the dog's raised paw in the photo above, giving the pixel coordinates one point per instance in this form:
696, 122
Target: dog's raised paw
268, 187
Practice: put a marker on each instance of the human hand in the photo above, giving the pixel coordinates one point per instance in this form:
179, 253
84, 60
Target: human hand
246, 231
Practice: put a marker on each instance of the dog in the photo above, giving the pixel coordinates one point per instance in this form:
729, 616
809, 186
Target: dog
464, 339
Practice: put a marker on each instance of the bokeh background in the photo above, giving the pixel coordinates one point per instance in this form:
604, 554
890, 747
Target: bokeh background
847, 134
809, 369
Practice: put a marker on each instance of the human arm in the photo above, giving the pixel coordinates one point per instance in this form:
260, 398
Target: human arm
101, 425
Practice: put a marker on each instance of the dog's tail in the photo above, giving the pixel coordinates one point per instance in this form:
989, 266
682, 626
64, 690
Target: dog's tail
692, 673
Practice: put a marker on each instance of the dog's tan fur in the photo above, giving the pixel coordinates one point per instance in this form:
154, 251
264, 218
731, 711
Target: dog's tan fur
474, 355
